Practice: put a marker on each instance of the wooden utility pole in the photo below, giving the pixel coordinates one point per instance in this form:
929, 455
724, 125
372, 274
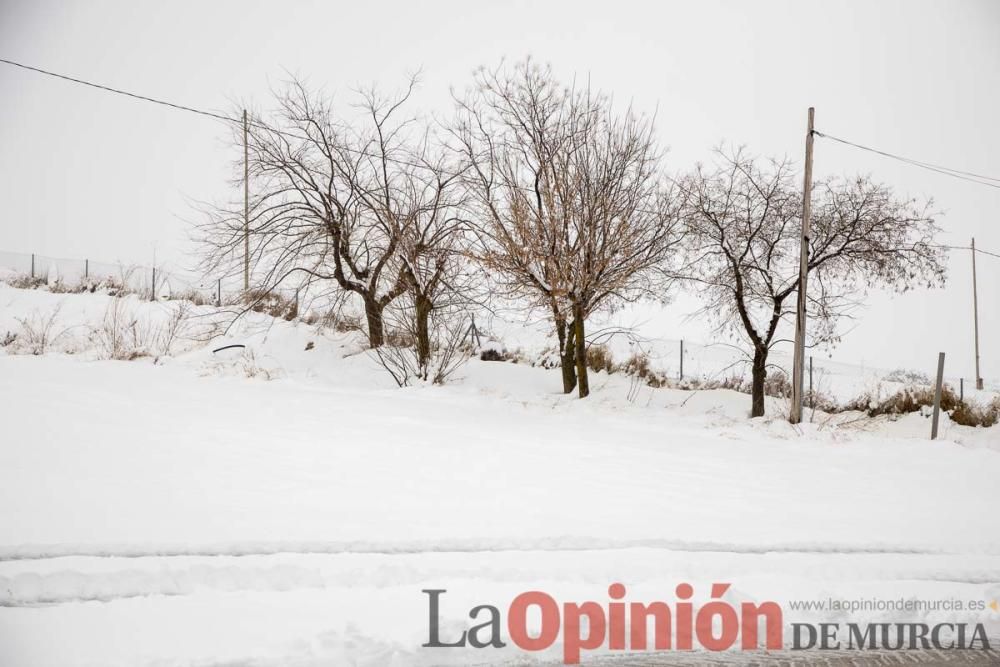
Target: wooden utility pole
246, 207
795, 413
937, 395
975, 314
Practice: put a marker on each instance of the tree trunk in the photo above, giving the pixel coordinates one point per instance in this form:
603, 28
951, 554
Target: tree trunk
567, 355
583, 383
376, 327
423, 315
757, 385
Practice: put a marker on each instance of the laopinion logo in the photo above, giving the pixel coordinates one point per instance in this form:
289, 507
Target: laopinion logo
536, 621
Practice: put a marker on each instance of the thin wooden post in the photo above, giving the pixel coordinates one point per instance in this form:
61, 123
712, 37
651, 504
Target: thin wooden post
975, 314
682, 360
32, 265
152, 292
961, 390
937, 396
218, 293
795, 413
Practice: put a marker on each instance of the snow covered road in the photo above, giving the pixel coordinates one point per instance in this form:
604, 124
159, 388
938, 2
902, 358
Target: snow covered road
368, 609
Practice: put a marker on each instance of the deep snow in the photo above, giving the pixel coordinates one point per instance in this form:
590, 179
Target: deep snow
179, 512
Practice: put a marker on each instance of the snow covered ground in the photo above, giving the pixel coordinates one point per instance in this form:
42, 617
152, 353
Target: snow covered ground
177, 511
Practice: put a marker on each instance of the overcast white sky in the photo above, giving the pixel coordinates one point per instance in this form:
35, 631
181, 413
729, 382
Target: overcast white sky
88, 174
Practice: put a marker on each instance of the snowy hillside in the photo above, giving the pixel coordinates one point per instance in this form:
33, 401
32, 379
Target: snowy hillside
286, 503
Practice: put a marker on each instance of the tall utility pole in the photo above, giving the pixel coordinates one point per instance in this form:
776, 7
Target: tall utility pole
795, 414
975, 314
246, 207
937, 396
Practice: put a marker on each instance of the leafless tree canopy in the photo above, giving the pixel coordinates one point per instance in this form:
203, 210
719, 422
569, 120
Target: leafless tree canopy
743, 219
366, 206
568, 195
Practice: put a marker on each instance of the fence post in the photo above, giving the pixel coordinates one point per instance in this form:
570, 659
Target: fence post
937, 395
152, 293
86, 269
682, 361
32, 265
961, 390
218, 294
475, 332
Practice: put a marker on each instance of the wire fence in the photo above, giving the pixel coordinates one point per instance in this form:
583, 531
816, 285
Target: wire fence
678, 359
825, 375
162, 281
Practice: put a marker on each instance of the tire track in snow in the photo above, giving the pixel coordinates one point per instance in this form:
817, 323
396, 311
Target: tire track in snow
76, 579
556, 544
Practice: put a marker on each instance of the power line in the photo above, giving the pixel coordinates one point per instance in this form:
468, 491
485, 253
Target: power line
145, 98
210, 114
964, 247
947, 171
117, 91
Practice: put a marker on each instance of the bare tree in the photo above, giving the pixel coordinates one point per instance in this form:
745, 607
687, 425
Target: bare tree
330, 200
433, 245
446, 349
743, 218
568, 196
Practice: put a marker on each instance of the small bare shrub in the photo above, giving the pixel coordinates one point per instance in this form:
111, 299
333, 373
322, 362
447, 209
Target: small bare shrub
492, 353
639, 366
93, 284
175, 328
820, 400
62, 287
547, 359
974, 414
38, 333
400, 338
252, 369
966, 414
448, 354
599, 359
24, 281
271, 303
912, 399
906, 376
861, 403
777, 385
198, 297
347, 323
991, 413
120, 335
